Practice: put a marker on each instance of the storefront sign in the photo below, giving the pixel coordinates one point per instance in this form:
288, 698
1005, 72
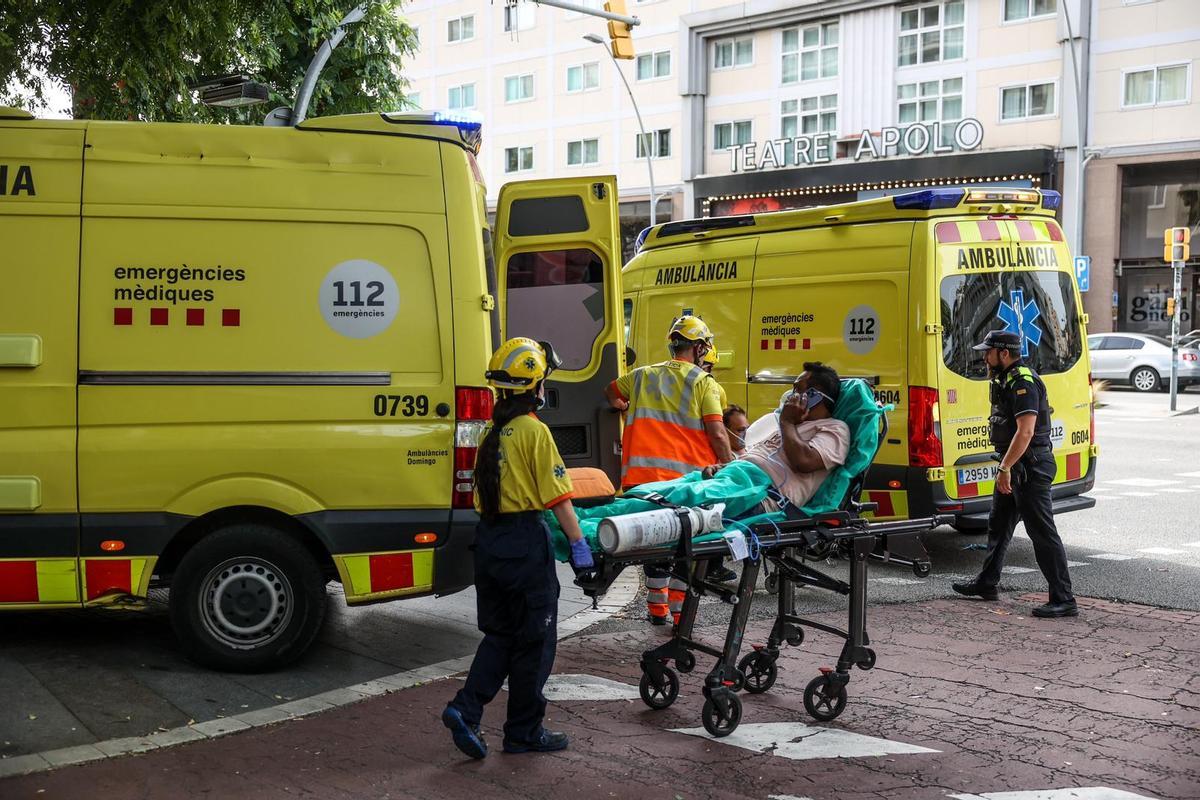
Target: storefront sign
821, 148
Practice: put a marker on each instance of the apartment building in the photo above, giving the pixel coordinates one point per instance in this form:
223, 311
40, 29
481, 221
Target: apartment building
774, 104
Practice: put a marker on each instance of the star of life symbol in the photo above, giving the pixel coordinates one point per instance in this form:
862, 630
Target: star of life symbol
1020, 317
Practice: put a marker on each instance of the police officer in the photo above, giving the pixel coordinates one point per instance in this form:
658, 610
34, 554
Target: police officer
518, 474
1020, 432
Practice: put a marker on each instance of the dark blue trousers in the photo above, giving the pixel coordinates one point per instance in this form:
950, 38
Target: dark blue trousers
516, 591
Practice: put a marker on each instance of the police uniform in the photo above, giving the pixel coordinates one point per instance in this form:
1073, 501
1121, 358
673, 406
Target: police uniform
516, 585
1015, 392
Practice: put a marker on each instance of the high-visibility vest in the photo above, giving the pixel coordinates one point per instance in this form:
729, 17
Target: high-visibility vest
664, 425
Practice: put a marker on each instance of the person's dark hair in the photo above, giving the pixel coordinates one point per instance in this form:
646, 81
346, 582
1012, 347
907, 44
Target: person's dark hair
679, 344
487, 462
824, 378
730, 411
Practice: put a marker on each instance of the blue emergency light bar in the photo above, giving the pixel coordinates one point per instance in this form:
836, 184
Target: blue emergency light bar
469, 125
1051, 199
929, 199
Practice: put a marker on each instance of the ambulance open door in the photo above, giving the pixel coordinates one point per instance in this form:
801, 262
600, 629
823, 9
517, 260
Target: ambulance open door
558, 253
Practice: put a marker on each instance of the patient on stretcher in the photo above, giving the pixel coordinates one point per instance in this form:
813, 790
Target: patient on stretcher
797, 452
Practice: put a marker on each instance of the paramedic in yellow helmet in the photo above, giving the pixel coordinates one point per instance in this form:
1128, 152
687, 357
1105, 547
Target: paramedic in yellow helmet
518, 474
672, 424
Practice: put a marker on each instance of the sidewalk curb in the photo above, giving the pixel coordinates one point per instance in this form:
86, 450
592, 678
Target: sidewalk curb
623, 592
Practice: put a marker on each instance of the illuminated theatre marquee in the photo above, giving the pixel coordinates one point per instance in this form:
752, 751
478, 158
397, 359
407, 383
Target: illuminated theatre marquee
821, 148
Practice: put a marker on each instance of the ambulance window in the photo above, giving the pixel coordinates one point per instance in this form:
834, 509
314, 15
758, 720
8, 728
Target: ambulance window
628, 317
1041, 304
542, 216
557, 296
489, 262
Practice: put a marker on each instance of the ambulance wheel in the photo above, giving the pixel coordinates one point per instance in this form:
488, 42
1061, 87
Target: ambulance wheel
247, 598
686, 662
659, 697
824, 700
868, 660
719, 724
761, 672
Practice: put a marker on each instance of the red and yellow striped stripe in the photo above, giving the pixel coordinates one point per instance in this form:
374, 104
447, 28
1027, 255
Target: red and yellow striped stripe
376, 576
990, 230
60, 581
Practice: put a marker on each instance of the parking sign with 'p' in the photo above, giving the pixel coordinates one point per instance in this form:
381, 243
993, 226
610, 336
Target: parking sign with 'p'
1083, 272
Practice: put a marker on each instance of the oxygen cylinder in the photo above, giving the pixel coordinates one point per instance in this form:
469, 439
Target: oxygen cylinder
654, 529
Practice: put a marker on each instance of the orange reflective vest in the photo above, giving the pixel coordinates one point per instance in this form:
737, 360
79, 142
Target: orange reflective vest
664, 425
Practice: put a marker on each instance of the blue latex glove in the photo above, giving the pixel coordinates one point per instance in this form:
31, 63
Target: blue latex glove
581, 555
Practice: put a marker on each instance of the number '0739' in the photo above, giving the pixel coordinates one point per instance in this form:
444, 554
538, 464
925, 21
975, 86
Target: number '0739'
387, 405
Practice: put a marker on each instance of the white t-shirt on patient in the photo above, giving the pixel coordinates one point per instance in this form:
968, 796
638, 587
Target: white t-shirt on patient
829, 437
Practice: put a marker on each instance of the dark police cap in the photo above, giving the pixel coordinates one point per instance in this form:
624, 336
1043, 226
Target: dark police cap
1004, 340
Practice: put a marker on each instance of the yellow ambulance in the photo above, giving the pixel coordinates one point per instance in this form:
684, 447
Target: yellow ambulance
241, 362
893, 290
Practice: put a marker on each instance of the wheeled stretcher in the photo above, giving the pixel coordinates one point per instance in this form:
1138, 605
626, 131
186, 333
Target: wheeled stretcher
789, 549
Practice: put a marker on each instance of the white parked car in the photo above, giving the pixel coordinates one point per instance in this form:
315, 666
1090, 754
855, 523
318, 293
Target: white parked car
1141, 360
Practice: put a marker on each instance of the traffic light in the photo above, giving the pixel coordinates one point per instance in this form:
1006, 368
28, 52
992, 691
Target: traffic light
1177, 244
1170, 306
618, 32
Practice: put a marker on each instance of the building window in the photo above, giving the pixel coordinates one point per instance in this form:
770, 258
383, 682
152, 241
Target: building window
654, 65
810, 53
931, 32
518, 159
1027, 102
518, 17
414, 99
1156, 86
660, 143
460, 29
731, 53
808, 116
582, 77
932, 101
462, 96
1021, 10
728, 134
517, 88
584, 151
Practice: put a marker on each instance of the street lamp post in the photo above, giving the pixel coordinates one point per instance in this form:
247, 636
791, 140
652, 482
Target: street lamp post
596, 39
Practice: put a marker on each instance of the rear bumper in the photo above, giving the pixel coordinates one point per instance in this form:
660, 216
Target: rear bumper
973, 512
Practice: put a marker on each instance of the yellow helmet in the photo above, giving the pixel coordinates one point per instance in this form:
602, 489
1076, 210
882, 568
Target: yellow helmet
521, 364
691, 328
711, 356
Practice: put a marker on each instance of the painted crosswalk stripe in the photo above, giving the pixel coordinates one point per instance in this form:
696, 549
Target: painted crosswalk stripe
1176, 490
1017, 570
1077, 564
1112, 556
1145, 483
1188, 474
1138, 494
568, 687
1191, 544
890, 581
1161, 551
1082, 793
801, 742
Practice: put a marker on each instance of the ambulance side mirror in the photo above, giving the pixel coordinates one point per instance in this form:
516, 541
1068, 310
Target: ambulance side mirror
630, 357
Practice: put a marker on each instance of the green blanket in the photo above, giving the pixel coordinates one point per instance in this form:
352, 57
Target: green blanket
741, 485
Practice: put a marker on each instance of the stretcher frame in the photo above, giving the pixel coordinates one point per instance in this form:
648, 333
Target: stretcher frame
786, 546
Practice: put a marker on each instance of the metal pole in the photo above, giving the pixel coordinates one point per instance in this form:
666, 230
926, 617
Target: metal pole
304, 96
591, 12
642, 128
1177, 268
1080, 135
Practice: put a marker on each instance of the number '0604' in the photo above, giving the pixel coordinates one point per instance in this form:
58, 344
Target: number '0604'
387, 405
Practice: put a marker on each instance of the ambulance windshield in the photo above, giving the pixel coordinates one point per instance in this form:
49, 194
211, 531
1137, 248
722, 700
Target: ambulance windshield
1039, 305
557, 296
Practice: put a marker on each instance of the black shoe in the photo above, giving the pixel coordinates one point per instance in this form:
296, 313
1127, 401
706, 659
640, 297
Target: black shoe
547, 742
655, 620
467, 738
722, 575
975, 590
1056, 610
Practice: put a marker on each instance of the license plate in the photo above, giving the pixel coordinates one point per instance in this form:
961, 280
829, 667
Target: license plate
978, 474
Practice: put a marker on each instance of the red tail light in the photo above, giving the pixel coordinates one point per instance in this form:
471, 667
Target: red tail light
1191, 357
473, 409
924, 446
1091, 412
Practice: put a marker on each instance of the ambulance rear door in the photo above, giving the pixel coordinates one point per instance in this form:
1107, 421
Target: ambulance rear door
558, 255
1008, 274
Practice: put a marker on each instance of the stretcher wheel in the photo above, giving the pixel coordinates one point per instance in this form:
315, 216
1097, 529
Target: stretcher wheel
824, 699
868, 660
772, 583
719, 724
659, 697
760, 671
921, 569
686, 662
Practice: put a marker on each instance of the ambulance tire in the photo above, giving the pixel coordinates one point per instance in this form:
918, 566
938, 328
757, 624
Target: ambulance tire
247, 598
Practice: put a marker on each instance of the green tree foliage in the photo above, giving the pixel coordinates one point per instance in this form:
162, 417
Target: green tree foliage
135, 59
